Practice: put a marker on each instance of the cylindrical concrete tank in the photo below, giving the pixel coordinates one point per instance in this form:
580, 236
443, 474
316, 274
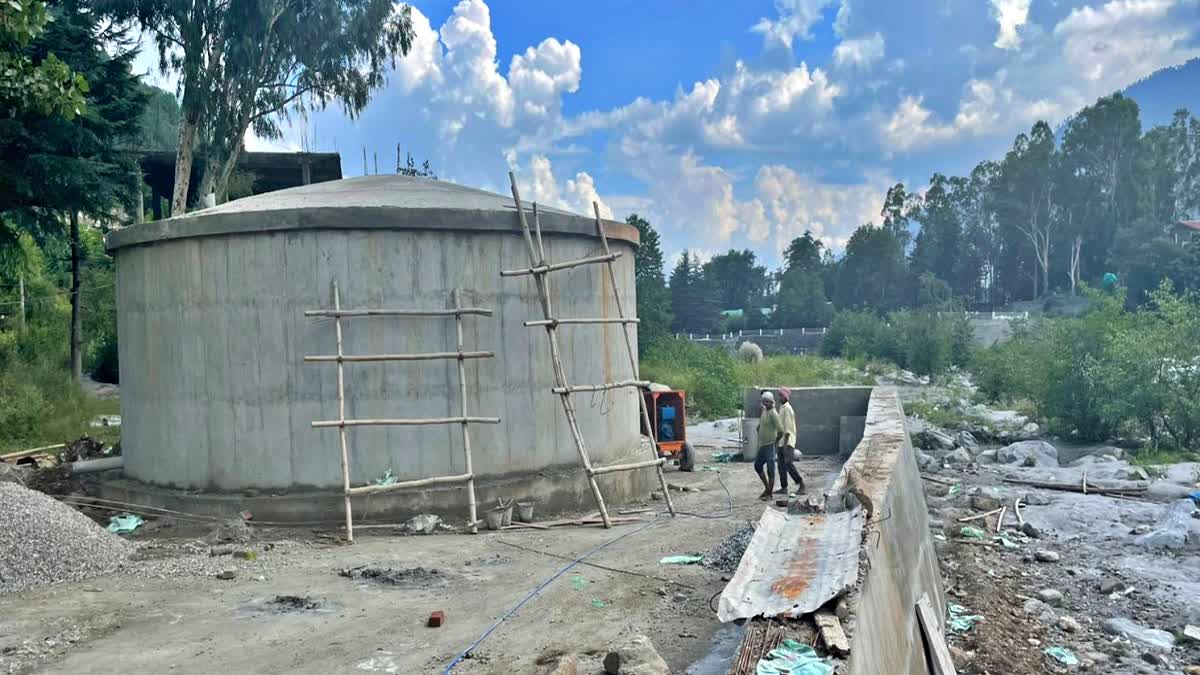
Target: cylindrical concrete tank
215, 393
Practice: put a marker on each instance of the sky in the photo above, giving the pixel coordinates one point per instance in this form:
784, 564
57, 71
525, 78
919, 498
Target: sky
740, 124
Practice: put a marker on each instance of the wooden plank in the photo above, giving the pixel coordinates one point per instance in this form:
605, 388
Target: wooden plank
428, 356
410, 484
421, 421
341, 391
544, 268
930, 628
462, 396
831, 633
355, 313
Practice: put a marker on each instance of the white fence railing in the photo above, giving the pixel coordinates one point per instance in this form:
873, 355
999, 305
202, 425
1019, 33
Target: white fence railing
758, 332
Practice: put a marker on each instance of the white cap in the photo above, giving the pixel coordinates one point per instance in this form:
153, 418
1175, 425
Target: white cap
767, 396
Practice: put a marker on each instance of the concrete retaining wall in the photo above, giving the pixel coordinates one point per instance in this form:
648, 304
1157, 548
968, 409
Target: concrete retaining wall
819, 413
901, 563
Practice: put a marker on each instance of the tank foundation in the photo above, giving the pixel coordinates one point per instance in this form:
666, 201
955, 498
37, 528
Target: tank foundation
554, 490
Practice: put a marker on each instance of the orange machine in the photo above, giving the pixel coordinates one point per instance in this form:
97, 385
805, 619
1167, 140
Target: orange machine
668, 415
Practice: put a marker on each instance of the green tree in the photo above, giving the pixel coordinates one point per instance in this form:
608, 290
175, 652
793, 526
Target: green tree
973, 198
805, 252
1096, 191
801, 302
899, 207
872, 272
55, 169
653, 298
34, 82
939, 246
244, 63
1025, 200
736, 280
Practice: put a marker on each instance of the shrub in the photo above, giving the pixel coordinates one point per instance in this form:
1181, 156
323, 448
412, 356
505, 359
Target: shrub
707, 374
748, 352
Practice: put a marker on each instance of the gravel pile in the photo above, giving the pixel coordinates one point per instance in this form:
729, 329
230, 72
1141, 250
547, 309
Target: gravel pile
726, 555
43, 541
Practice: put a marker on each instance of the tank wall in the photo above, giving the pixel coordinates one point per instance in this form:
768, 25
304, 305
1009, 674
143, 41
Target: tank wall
216, 395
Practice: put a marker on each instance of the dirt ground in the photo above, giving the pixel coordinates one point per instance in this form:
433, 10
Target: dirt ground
290, 611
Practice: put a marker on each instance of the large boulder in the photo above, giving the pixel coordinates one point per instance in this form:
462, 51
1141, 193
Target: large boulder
932, 438
1028, 453
957, 457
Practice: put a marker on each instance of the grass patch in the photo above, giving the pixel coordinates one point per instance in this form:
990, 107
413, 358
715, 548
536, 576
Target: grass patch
715, 381
1149, 458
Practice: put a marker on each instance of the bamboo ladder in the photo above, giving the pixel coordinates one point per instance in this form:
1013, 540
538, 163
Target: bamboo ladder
540, 271
465, 420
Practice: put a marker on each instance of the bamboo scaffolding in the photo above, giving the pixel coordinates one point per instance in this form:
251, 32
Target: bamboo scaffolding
564, 322
540, 270
420, 421
465, 420
429, 356
537, 257
341, 391
409, 484
633, 360
462, 398
543, 268
608, 386
358, 313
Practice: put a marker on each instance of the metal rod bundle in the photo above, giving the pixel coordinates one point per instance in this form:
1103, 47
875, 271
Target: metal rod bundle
540, 270
464, 419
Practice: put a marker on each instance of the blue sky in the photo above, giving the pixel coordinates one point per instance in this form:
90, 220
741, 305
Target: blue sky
742, 124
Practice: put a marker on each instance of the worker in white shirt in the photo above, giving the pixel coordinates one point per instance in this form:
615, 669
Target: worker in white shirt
786, 450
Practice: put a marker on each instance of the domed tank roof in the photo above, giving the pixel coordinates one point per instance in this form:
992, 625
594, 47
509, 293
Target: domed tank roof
365, 202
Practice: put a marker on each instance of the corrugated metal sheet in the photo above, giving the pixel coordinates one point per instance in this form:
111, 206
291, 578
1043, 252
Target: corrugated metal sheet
794, 564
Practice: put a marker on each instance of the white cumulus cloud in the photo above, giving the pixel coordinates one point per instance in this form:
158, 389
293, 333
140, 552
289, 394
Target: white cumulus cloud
859, 52
1011, 15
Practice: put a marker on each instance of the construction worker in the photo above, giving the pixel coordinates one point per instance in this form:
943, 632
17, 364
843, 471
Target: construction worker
770, 430
786, 450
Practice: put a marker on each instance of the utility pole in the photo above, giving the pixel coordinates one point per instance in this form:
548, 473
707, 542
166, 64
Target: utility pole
364, 160
21, 286
376, 155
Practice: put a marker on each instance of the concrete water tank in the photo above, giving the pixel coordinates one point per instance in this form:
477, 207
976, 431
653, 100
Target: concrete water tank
216, 397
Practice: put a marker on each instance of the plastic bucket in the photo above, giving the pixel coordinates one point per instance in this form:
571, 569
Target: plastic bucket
525, 512
494, 519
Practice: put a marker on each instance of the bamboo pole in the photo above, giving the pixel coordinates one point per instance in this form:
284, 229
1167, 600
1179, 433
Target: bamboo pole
410, 484
466, 433
341, 390
356, 313
428, 356
32, 451
420, 421
627, 467
633, 362
542, 284
544, 268
562, 322
608, 386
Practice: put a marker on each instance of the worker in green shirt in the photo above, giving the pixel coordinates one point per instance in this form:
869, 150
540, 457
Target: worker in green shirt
770, 429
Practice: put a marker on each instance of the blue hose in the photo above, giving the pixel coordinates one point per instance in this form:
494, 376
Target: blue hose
462, 655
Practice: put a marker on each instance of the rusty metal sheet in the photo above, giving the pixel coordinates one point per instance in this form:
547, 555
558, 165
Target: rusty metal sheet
793, 565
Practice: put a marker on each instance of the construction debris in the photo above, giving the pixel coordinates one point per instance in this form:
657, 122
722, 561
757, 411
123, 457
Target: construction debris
43, 541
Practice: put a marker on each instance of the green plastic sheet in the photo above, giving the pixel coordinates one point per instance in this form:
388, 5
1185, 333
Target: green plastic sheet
690, 559
388, 478
725, 456
793, 658
597, 603
972, 532
124, 523
1062, 655
578, 582
960, 620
